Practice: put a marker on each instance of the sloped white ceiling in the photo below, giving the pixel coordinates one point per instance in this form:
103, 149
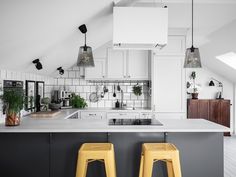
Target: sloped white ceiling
48, 29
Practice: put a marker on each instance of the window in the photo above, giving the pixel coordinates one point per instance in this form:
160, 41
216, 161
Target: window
229, 59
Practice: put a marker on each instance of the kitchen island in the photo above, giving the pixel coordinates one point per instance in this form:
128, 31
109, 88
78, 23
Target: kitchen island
48, 146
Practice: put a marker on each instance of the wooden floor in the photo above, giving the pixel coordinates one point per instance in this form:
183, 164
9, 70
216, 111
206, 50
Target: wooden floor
230, 156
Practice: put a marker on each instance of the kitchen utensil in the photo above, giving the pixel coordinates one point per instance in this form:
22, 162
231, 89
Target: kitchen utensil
105, 89
118, 87
114, 94
94, 97
102, 94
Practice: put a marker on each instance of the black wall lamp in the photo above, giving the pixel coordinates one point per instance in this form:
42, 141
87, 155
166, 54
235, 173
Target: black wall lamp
38, 64
61, 71
212, 84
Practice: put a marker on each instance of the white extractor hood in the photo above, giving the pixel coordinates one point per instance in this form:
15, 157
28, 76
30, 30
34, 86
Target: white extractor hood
142, 28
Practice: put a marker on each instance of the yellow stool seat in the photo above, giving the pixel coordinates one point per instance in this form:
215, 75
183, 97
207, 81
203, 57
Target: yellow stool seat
90, 152
152, 152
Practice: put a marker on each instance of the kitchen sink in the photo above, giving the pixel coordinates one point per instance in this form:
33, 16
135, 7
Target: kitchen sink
124, 108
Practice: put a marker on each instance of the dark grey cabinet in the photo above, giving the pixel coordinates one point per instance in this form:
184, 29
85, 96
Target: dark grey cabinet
128, 152
24, 154
64, 152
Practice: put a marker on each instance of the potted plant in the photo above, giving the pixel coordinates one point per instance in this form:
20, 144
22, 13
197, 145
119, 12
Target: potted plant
78, 102
14, 102
195, 90
137, 90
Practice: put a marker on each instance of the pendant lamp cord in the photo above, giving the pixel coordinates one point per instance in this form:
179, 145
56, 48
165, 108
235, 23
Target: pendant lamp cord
192, 23
85, 39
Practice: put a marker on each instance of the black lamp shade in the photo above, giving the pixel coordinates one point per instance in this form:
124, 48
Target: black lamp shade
85, 58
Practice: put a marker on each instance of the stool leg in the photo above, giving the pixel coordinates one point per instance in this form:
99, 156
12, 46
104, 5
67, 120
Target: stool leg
169, 168
82, 165
110, 165
141, 167
148, 165
176, 165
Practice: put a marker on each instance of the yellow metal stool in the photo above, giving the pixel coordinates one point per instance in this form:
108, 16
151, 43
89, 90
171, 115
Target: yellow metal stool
152, 152
90, 152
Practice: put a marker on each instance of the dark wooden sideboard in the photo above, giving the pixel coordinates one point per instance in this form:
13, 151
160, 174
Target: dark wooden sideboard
215, 110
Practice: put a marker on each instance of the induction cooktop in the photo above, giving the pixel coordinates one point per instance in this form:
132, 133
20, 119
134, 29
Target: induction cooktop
135, 122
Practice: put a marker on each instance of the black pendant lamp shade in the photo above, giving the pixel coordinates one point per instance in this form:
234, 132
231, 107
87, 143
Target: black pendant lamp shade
85, 58
192, 55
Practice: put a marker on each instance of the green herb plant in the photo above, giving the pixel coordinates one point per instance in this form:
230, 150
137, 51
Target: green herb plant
137, 90
78, 102
14, 101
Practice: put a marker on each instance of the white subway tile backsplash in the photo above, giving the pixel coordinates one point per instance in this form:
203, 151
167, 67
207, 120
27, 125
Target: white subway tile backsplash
79, 89
75, 81
83, 95
68, 82
127, 96
130, 103
82, 82
93, 105
129, 89
3, 74
137, 104
61, 81
71, 89
133, 97
108, 104
86, 88
72, 74
55, 82
101, 104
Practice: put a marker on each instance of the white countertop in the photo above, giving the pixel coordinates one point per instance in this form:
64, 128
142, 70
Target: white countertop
59, 123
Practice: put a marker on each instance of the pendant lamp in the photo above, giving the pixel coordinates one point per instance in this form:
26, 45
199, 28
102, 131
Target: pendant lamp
192, 55
85, 58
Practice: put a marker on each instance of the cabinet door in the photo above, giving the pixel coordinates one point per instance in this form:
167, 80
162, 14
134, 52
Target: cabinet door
203, 108
225, 113
168, 84
137, 64
97, 72
175, 46
24, 154
128, 151
193, 111
214, 111
64, 154
116, 64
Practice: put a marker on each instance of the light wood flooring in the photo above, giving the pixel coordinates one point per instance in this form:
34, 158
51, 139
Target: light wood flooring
230, 156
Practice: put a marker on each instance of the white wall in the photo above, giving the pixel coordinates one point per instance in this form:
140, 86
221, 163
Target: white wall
21, 76
206, 92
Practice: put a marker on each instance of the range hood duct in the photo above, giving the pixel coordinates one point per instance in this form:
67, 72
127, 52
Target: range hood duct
141, 28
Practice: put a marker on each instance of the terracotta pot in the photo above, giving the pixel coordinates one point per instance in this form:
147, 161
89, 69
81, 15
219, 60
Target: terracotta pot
12, 120
194, 95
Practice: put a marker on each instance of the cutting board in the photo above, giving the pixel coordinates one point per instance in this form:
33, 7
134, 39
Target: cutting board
45, 114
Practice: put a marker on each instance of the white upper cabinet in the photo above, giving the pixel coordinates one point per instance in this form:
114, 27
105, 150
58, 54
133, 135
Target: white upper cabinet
168, 83
98, 72
119, 65
116, 64
175, 46
138, 65
168, 79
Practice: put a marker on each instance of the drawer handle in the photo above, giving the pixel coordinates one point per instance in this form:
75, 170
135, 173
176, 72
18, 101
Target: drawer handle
122, 114
92, 114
